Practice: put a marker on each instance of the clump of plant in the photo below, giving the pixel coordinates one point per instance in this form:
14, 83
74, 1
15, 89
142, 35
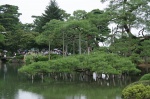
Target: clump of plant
99, 62
55, 56
34, 58
28, 59
137, 91
19, 57
145, 77
40, 58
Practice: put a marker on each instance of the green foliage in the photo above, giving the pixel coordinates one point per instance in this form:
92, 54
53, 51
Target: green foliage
67, 64
2, 29
59, 65
100, 62
49, 15
111, 63
19, 57
145, 46
145, 77
2, 38
50, 33
35, 68
79, 15
40, 58
138, 91
129, 13
55, 56
41, 39
135, 58
35, 58
21, 39
9, 17
101, 21
124, 46
28, 59
81, 26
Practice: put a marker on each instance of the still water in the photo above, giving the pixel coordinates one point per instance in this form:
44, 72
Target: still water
12, 86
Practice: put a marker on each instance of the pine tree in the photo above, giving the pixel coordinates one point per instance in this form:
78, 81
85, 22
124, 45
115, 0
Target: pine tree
9, 17
52, 12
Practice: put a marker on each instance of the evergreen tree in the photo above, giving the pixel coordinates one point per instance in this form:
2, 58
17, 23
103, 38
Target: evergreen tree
9, 17
2, 29
52, 12
128, 14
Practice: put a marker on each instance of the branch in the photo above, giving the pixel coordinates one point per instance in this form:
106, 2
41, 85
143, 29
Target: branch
141, 31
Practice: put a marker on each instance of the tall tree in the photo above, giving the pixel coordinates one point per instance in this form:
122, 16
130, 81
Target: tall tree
2, 29
100, 20
128, 14
79, 14
9, 17
52, 12
21, 40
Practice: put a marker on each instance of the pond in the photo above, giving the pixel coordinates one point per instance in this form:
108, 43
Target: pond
12, 86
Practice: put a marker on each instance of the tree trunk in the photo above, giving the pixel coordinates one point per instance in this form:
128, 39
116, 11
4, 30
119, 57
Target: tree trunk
66, 50
79, 43
73, 47
49, 50
63, 45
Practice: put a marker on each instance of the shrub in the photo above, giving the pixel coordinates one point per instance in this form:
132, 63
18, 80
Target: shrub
19, 57
55, 56
28, 59
40, 58
35, 58
138, 91
145, 77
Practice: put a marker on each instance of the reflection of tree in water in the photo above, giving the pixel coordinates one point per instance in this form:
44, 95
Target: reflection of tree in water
8, 82
5, 70
75, 90
87, 76
77, 85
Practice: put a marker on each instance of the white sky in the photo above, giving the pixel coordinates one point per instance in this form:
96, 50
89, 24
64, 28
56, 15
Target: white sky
37, 7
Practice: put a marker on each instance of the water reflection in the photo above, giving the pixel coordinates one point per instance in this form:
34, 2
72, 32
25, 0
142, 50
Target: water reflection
77, 97
0, 64
12, 86
5, 71
27, 95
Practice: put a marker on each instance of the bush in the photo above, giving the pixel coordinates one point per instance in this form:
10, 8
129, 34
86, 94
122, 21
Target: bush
55, 56
138, 91
35, 58
40, 58
19, 57
28, 59
145, 77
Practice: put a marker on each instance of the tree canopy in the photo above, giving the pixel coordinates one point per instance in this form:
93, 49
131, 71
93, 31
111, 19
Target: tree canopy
81, 33
9, 17
128, 14
52, 12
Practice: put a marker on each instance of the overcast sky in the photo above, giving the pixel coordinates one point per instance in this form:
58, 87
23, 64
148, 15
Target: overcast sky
37, 7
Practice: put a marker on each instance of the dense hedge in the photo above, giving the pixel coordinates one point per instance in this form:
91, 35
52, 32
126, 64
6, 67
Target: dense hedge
136, 91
